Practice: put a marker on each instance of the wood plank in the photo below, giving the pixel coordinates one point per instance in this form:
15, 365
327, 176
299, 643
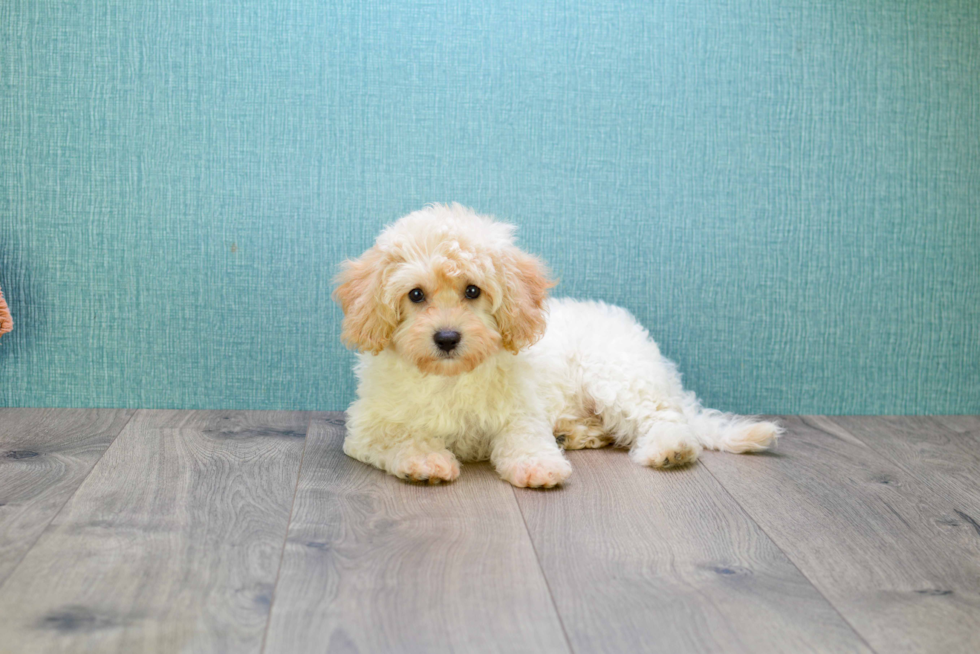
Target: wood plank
666, 561
44, 456
946, 462
374, 564
967, 425
890, 554
171, 544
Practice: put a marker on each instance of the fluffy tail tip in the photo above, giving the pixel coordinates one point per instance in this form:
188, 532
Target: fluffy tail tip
750, 437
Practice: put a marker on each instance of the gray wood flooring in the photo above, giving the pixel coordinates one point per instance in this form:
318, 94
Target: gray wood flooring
241, 531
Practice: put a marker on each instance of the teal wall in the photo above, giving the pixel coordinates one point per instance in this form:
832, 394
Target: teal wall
786, 192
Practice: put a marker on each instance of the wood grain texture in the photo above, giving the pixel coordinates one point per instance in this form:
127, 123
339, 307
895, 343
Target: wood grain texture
941, 459
374, 564
171, 544
889, 553
968, 425
666, 561
44, 456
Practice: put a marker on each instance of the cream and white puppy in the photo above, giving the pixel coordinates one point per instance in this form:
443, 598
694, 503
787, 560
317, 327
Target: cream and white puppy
463, 357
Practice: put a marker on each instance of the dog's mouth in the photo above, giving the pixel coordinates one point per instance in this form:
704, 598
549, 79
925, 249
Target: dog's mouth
452, 363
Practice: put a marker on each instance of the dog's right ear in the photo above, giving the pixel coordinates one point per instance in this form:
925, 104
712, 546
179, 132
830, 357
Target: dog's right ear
369, 320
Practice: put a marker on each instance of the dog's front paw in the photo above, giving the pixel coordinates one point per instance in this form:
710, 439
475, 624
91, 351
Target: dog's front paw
536, 472
435, 467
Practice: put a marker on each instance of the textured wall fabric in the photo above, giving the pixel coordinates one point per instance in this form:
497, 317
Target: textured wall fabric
786, 193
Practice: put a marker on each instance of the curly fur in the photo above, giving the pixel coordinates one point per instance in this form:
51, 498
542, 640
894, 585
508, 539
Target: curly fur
529, 376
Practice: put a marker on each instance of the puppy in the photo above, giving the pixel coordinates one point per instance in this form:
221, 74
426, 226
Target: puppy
463, 358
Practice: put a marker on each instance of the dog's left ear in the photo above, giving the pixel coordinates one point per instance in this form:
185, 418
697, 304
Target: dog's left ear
524, 286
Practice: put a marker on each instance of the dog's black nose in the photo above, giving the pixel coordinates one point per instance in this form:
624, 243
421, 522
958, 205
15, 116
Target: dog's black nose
446, 339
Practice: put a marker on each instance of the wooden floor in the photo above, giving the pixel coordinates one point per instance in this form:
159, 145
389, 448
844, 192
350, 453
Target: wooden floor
216, 531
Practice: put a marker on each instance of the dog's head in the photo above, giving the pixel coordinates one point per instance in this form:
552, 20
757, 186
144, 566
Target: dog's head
445, 288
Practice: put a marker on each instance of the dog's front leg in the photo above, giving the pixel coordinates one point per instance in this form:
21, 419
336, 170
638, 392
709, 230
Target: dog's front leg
526, 454
406, 458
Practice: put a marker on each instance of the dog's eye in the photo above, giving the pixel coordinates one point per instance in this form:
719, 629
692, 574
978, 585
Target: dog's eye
472, 292
416, 295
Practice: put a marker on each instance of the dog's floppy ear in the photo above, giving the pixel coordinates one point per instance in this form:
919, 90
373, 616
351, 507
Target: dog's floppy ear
524, 286
369, 319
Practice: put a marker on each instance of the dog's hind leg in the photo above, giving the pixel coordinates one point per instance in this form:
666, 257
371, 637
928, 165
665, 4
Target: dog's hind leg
656, 433
647, 418
580, 428
676, 436
665, 440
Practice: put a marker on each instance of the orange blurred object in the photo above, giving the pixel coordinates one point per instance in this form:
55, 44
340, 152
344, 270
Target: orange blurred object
6, 322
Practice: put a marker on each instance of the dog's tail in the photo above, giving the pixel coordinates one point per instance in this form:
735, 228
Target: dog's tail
728, 432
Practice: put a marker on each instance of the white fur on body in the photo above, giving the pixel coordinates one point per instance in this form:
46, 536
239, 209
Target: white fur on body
594, 378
